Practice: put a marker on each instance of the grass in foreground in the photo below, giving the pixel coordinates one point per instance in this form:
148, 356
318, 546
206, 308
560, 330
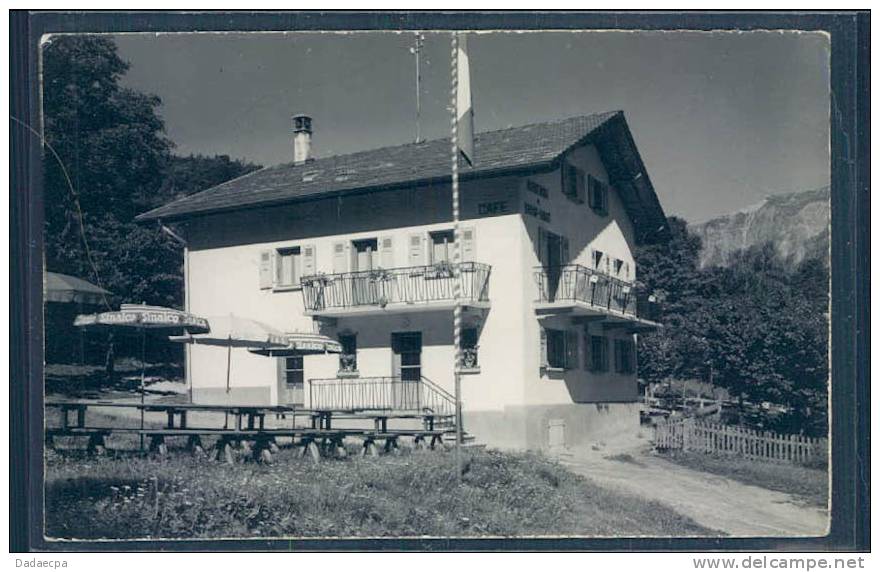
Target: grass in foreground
809, 485
414, 494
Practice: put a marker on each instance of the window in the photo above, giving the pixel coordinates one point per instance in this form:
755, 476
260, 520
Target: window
348, 357
573, 183
293, 371
624, 356
598, 192
556, 348
598, 255
442, 244
365, 254
561, 349
469, 356
288, 267
598, 353
618, 268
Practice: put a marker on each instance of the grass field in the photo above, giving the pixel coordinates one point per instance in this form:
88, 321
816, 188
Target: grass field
809, 485
126, 496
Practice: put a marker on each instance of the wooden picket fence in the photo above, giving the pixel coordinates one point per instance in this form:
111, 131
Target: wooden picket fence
702, 437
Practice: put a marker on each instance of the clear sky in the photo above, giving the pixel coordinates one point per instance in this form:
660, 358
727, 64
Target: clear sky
721, 119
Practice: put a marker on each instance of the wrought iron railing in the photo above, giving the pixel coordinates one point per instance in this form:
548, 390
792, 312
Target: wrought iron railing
410, 285
380, 394
576, 283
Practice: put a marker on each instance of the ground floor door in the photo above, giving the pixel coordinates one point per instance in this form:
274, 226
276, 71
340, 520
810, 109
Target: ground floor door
406, 368
290, 380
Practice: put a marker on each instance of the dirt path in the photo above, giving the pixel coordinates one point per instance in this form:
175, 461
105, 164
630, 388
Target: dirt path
712, 501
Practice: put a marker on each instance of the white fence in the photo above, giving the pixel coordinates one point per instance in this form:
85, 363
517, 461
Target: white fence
703, 437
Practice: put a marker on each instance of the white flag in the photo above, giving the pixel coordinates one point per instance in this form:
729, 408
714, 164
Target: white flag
464, 104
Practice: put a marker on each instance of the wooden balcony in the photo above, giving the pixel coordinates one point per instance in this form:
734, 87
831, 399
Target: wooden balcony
589, 295
396, 290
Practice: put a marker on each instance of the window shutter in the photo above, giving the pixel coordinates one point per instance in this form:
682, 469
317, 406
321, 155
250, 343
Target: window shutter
581, 186
591, 196
386, 249
588, 355
339, 264
571, 350
563, 245
468, 244
603, 342
544, 360
542, 246
416, 250
563, 169
265, 269
309, 266
634, 351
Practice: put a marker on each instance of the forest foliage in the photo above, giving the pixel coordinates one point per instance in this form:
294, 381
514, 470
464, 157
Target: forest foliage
757, 327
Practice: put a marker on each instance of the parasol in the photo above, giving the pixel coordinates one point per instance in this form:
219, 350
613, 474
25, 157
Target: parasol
70, 289
141, 317
233, 331
302, 344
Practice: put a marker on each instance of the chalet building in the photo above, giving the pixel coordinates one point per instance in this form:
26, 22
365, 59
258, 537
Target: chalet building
359, 247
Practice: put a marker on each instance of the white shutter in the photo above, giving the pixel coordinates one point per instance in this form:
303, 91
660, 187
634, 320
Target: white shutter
309, 266
265, 269
386, 252
339, 262
468, 244
416, 250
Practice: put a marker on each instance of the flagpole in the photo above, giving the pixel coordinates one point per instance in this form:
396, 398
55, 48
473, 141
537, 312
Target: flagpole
417, 51
456, 316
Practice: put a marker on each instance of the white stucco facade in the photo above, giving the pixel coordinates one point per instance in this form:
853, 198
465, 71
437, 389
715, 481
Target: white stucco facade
515, 398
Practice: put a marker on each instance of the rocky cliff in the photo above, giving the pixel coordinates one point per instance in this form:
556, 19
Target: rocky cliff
797, 223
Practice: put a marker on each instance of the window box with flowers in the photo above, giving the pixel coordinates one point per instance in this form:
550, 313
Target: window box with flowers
348, 366
470, 363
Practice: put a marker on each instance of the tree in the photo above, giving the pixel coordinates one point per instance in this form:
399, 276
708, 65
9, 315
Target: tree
113, 162
755, 327
193, 173
111, 152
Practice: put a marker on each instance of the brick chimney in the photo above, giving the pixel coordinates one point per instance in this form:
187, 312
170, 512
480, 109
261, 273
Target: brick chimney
302, 139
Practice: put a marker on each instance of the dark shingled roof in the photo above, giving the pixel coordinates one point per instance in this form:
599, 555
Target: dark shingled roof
528, 147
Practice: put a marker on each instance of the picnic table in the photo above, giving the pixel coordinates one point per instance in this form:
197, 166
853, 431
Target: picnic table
249, 426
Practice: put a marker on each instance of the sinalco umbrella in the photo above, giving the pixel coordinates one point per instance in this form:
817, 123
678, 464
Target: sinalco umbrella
70, 289
302, 344
141, 318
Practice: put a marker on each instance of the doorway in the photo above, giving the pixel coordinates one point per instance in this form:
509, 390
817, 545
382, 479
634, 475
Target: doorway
365, 259
406, 368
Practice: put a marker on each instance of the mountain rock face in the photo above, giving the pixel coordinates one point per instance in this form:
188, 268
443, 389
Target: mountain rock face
796, 223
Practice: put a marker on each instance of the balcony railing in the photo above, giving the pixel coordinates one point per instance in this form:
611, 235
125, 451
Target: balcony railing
576, 283
420, 396
384, 287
